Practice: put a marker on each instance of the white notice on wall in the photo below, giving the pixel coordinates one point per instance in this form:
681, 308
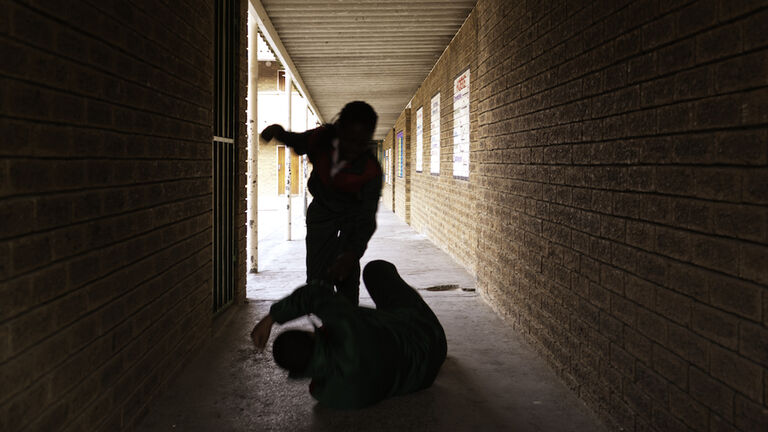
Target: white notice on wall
419, 139
434, 140
388, 166
461, 126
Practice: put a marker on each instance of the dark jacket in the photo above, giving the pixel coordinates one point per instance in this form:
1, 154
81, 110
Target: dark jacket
350, 198
364, 355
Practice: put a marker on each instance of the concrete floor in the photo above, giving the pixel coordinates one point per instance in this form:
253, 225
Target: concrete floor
491, 380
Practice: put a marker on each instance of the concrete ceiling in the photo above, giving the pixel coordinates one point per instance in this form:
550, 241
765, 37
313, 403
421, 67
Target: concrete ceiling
376, 51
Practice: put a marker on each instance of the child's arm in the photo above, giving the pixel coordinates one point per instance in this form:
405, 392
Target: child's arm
299, 142
302, 301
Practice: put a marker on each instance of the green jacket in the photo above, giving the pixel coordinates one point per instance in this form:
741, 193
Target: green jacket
364, 355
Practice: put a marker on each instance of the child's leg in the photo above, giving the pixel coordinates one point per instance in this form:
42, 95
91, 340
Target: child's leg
387, 289
350, 287
322, 241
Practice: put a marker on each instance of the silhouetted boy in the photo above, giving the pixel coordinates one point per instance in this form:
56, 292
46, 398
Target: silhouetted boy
345, 185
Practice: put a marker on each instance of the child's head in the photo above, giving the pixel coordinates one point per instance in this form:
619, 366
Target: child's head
355, 127
292, 350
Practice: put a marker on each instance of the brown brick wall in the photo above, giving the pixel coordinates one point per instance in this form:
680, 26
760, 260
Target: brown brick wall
442, 206
402, 185
622, 191
617, 205
105, 198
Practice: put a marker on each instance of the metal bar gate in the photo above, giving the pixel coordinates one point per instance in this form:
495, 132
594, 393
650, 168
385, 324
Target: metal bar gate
225, 152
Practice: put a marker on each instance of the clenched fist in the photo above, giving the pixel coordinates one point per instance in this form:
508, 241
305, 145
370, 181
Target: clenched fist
272, 131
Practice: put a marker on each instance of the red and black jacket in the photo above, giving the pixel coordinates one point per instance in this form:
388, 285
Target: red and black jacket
351, 197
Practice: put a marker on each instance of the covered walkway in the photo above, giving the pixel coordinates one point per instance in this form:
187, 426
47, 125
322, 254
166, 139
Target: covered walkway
596, 170
491, 380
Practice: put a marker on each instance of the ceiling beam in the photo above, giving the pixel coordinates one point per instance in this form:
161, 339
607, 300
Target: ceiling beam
273, 39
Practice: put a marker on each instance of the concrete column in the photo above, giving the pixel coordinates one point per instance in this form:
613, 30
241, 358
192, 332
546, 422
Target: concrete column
252, 237
288, 86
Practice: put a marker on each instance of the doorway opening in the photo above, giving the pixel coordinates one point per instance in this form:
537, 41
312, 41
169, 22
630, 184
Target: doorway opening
281, 193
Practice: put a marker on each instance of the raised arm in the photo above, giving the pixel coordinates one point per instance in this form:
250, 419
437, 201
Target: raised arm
299, 142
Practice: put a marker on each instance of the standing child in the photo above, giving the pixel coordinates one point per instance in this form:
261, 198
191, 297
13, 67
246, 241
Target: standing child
345, 185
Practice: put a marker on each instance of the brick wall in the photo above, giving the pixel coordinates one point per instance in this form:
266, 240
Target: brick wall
616, 210
105, 198
442, 206
402, 185
622, 191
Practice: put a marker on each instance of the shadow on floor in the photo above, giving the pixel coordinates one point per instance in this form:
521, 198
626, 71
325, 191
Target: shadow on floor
491, 380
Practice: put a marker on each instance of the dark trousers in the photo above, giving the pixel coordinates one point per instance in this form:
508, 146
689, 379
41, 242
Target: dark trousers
389, 291
323, 246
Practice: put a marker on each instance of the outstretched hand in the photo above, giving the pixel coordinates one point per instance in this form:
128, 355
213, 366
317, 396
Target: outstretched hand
272, 131
261, 332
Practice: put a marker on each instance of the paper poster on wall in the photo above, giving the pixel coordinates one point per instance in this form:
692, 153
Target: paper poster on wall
419, 139
387, 166
400, 153
461, 126
434, 139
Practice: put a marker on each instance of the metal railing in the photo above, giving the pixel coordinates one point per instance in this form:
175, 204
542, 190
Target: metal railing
225, 154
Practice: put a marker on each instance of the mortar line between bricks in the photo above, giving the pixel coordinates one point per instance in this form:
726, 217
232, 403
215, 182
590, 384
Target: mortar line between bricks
169, 376
654, 342
617, 62
73, 193
750, 127
753, 167
599, 188
689, 364
643, 307
617, 114
110, 130
634, 273
756, 126
86, 314
606, 93
630, 30
111, 102
120, 78
188, 6
104, 188
133, 236
635, 219
188, 45
107, 333
96, 310
102, 218
102, 158
90, 402
160, 386
100, 39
